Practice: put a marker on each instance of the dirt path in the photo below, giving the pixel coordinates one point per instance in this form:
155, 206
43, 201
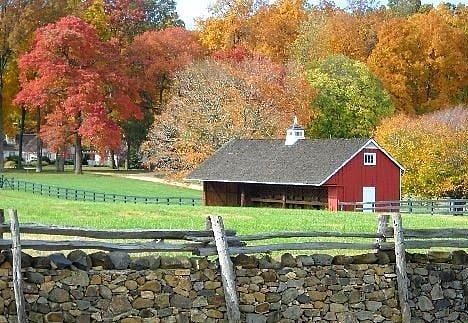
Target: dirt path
149, 177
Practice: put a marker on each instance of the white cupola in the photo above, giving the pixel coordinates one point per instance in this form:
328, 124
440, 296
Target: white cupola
294, 133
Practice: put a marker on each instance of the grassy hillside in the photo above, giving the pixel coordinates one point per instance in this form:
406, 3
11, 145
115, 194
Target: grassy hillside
104, 183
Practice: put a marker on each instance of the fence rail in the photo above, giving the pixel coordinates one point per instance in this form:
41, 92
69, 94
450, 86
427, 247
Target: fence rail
90, 196
215, 240
442, 206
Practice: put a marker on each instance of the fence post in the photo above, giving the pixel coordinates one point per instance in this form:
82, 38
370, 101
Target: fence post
17, 277
2, 220
400, 268
227, 271
382, 230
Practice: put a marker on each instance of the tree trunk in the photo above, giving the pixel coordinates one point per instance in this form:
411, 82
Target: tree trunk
61, 160
161, 95
21, 135
112, 159
78, 155
38, 143
127, 156
2, 130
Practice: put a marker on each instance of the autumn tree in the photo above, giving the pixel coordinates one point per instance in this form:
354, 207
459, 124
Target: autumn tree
275, 27
67, 74
213, 102
422, 62
404, 7
228, 24
25, 17
9, 14
356, 38
309, 43
285, 86
362, 7
124, 19
350, 101
433, 150
158, 54
456, 16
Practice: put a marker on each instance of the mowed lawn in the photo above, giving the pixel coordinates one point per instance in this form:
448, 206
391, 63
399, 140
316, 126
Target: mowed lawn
44, 210
91, 181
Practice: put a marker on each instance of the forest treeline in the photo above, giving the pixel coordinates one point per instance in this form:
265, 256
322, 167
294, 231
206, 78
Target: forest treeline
125, 77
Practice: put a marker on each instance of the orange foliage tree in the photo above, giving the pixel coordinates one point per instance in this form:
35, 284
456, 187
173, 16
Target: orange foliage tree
156, 55
275, 27
334, 31
227, 26
422, 62
268, 29
215, 101
433, 149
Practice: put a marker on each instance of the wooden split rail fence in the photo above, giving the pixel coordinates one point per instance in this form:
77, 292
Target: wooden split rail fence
90, 196
215, 240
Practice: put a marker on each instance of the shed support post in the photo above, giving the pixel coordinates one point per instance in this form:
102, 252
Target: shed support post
283, 205
204, 194
400, 268
242, 196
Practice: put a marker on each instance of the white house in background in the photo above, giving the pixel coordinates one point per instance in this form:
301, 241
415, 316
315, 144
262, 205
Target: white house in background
11, 148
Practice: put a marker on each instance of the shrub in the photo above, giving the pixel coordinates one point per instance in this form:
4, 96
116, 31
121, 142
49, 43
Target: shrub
9, 164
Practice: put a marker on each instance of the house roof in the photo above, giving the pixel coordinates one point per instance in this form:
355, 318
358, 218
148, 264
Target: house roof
8, 147
29, 143
270, 161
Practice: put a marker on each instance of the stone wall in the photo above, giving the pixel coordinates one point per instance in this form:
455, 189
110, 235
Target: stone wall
319, 288
438, 292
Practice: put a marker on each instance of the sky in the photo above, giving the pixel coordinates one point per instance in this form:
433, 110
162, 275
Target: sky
189, 10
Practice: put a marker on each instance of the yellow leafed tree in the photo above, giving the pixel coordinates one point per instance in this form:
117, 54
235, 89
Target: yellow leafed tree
275, 27
228, 25
434, 150
423, 62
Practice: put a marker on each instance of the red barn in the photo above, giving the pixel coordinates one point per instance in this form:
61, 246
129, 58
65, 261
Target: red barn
299, 172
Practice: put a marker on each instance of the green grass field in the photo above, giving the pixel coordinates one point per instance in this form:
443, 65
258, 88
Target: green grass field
45, 210
91, 181
38, 209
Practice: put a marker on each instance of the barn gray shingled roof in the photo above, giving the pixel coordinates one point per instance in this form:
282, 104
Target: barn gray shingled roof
308, 161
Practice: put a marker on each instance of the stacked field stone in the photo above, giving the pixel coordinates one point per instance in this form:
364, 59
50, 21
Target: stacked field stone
112, 287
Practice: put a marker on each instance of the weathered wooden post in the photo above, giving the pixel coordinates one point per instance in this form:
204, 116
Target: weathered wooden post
2, 220
227, 271
17, 277
382, 230
400, 268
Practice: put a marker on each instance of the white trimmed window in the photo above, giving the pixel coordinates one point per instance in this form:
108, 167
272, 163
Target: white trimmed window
370, 159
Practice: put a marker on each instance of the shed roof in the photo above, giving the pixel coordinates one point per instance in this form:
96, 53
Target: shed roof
270, 161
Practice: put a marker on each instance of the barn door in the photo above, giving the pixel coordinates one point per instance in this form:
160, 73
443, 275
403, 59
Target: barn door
368, 198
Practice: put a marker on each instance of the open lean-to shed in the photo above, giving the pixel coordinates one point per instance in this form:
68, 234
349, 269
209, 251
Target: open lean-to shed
299, 172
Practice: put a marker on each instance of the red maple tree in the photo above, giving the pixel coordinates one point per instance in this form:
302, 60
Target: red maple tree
158, 54
80, 83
